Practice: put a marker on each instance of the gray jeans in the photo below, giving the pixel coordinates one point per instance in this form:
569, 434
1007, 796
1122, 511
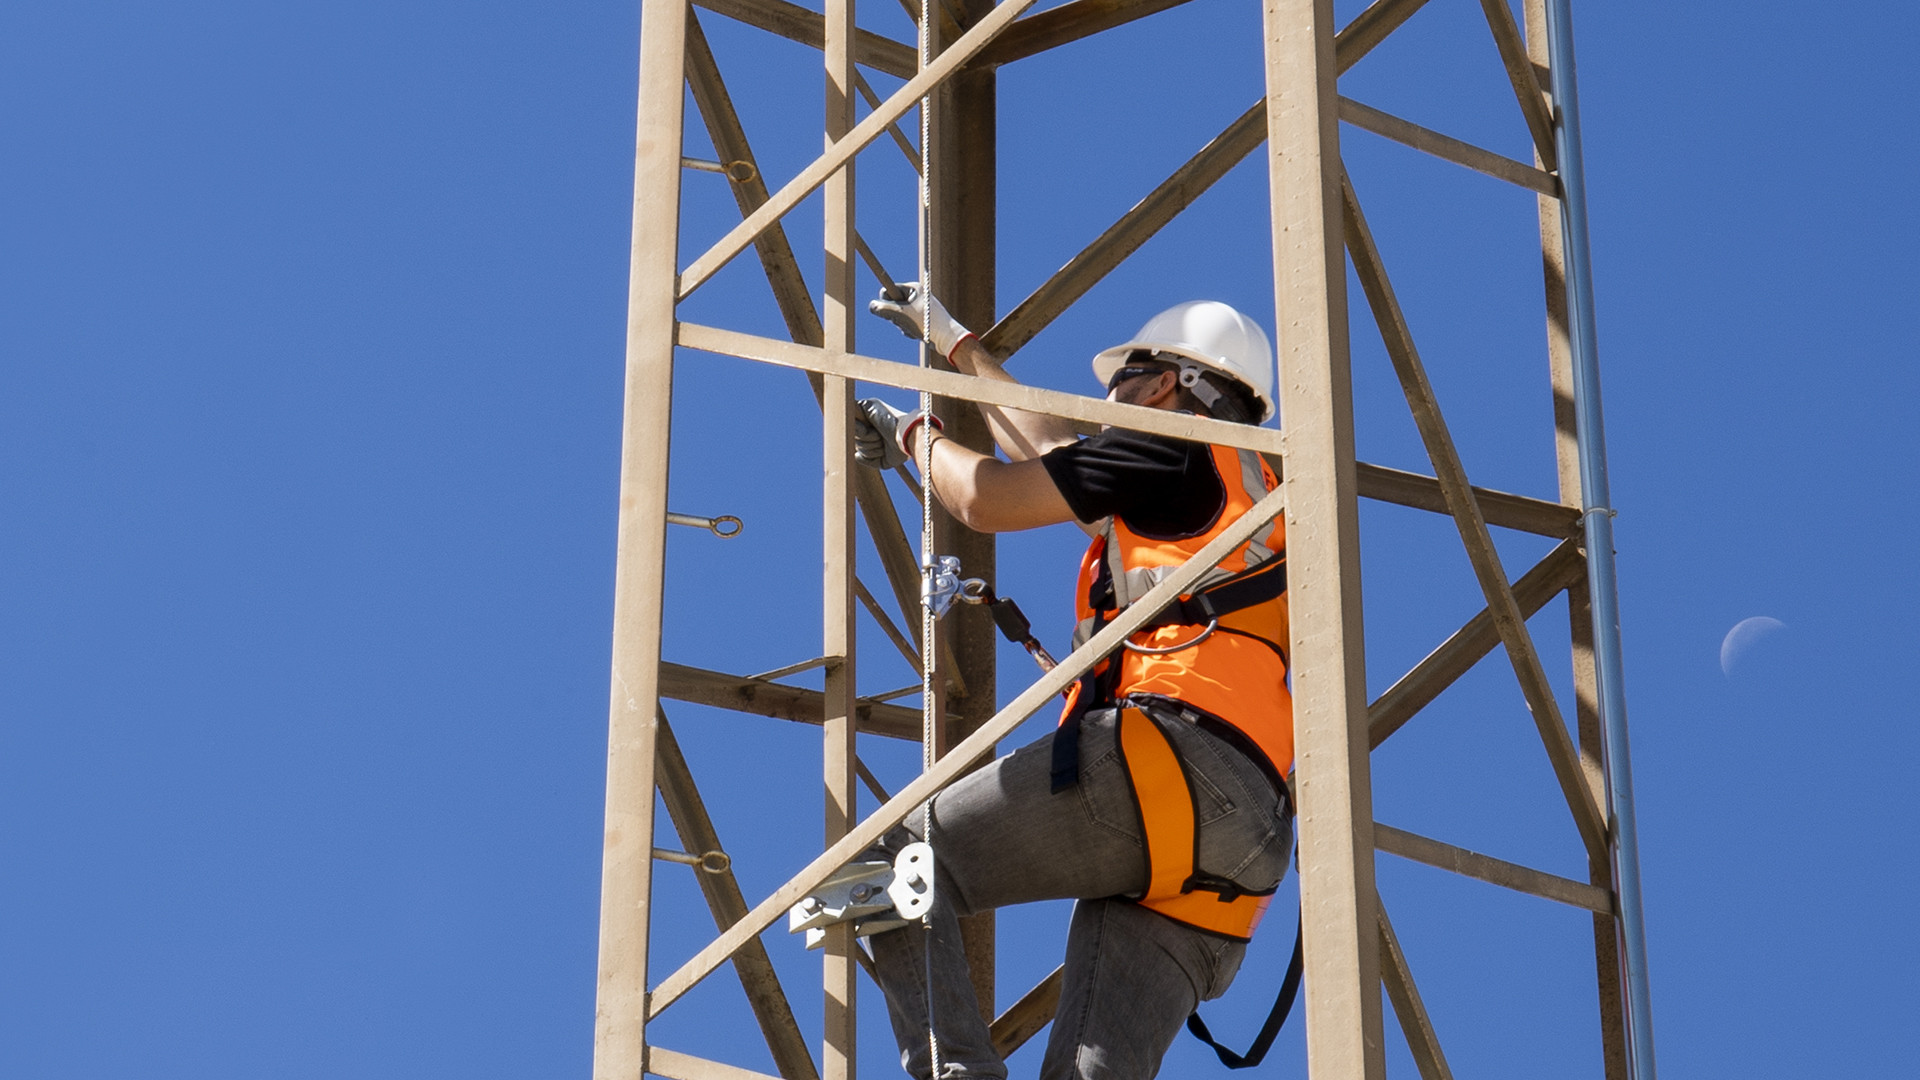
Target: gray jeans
1132, 977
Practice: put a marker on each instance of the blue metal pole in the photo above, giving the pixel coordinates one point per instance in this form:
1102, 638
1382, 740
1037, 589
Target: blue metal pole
1597, 516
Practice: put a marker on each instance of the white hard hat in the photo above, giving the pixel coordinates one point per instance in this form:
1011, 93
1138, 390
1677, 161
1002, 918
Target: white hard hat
1211, 334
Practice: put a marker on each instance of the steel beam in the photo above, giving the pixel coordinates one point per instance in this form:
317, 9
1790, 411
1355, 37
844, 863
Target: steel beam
842, 150
722, 891
1493, 871
1447, 148
1485, 558
738, 693
1070, 22
1499, 507
965, 756
795, 23
626, 868
963, 165
1561, 570
1333, 776
981, 391
1422, 1041
839, 308
1526, 88
1164, 203
1025, 1018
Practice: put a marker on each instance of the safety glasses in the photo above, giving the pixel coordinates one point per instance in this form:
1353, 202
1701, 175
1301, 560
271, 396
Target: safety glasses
1130, 372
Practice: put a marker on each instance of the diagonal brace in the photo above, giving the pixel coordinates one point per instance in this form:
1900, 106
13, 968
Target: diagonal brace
1414, 1021
790, 293
1562, 569
1513, 57
722, 890
843, 149
1164, 203
965, 756
1505, 610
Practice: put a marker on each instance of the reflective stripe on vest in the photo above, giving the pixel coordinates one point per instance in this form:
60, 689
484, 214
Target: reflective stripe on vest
1168, 818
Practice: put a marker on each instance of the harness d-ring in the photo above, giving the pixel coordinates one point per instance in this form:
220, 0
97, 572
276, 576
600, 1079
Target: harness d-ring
1212, 625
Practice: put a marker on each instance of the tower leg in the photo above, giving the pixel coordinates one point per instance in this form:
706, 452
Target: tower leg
626, 869
1323, 548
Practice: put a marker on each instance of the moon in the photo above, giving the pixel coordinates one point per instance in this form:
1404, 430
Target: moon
1741, 638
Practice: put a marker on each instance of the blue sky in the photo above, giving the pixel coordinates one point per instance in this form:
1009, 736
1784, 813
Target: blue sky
310, 355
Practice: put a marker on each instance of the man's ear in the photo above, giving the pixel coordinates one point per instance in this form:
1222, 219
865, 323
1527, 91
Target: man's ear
1166, 389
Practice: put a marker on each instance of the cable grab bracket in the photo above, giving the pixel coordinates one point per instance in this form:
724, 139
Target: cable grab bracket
875, 896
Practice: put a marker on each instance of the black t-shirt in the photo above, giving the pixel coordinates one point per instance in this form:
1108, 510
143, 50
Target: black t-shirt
1161, 487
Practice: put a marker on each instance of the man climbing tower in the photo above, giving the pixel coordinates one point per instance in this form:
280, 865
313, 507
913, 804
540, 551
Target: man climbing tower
1158, 803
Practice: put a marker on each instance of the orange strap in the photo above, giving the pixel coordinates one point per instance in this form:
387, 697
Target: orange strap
1166, 804
1165, 800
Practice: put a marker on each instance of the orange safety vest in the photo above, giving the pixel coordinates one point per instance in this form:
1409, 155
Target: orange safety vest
1230, 666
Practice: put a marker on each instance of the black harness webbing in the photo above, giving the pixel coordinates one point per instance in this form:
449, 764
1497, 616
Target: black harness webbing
1066, 738
1243, 590
1282, 1006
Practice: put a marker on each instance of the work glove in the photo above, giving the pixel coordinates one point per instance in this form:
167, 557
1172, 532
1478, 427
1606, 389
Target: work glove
909, 312
880, 433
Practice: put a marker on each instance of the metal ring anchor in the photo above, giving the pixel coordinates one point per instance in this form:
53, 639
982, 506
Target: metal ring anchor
713, 862
726, 526
739, 172
1212, 625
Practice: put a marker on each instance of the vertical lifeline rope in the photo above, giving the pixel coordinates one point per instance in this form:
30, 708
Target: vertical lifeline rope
929, 627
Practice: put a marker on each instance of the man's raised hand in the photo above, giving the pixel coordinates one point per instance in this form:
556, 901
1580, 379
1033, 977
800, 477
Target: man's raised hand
908, 310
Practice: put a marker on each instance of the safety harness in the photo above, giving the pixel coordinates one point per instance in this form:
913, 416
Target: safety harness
1183, 657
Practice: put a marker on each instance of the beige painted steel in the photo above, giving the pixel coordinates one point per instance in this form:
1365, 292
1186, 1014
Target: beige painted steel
1024, 1018
984, 391
796, 23
964, 756
1499, 507
688, 811
1562, 568
1519, 67
1176, 193
677, 1066
842, 150
1332, 770
1447, 148
626, 869
698, 686
962, 250
839, 1049
1422, 1040
1507, 617
1493, 871
1334, 726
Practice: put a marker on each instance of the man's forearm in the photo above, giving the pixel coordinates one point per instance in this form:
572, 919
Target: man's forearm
1021, 435
987, 494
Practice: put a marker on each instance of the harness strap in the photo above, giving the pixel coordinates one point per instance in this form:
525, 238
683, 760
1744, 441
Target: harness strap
1167, 817
1066, 738
1248, 588
1276, 1018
